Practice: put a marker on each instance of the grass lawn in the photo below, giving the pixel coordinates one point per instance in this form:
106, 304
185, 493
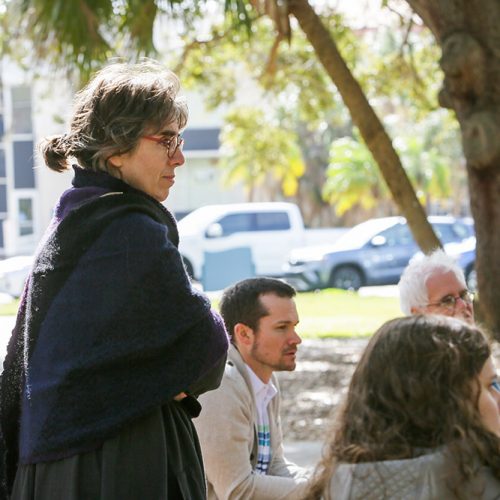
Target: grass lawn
337, 313
9, 309
328, 313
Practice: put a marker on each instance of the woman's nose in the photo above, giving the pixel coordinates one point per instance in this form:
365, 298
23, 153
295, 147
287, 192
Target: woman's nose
178, 159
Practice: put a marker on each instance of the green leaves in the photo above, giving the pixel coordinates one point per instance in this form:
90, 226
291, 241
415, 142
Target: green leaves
81, 35
428, 151
240, 13
352, 178
64, 32
260, 154
138, 19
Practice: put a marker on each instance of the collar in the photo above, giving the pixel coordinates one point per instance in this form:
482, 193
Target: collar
263, 392
86, 178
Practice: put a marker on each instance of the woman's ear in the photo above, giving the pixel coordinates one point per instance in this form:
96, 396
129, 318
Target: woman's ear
115, 161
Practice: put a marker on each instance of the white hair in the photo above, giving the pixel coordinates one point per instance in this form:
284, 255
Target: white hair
413, 283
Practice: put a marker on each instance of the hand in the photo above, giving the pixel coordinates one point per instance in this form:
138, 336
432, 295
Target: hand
180, 396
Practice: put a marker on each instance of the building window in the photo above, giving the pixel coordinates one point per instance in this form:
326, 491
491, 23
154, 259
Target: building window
199, 139
2, 131
2, 163
25, 216
24, 175
3, 198
21, 110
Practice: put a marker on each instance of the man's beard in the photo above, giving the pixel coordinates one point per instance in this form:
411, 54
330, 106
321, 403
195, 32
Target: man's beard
281, 365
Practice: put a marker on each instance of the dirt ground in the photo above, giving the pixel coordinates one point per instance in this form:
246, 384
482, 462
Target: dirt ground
311, 393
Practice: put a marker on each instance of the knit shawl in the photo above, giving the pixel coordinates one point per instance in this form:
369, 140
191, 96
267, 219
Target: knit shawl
108, 328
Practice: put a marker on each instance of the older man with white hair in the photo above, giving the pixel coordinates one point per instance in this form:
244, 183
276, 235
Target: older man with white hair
435, 284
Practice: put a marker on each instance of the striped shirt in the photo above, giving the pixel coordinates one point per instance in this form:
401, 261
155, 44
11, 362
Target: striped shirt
263, 393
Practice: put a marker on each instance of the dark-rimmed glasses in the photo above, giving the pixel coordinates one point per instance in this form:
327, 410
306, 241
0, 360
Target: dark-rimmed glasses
171, 143
450, 301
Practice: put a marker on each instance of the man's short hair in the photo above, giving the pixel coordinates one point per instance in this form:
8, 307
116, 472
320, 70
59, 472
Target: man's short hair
240, 303
413, 282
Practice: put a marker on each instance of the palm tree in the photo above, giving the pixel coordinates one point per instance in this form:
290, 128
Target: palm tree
352, 178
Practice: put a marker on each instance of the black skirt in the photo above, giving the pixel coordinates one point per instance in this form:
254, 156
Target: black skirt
156, 458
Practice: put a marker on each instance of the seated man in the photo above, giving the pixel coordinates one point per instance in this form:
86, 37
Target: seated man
435, 284
239, 427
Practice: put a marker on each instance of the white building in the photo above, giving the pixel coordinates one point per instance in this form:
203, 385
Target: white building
33, 108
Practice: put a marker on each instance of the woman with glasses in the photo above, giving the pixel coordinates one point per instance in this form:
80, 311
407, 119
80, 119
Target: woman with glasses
421, 419
112, 344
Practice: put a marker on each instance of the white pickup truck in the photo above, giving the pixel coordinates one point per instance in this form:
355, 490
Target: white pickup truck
270, 230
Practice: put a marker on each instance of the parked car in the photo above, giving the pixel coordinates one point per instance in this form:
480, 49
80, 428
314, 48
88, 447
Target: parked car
374, 252
465, 254
270, 230
13, 274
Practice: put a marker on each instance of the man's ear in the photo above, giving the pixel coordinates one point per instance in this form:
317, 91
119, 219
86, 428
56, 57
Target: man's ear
417, 310
243, 334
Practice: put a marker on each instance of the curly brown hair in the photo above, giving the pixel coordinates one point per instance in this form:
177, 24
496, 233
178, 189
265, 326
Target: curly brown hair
415, 388
119, 105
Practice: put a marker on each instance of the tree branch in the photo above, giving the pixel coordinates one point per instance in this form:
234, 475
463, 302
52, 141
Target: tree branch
423, 8
368, 123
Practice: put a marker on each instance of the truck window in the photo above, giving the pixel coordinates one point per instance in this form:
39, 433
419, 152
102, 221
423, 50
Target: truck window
398, 235
254, 221
451, 232
236, 223
272, 221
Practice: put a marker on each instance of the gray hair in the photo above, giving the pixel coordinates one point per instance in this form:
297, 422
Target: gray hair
413, 283
120, 104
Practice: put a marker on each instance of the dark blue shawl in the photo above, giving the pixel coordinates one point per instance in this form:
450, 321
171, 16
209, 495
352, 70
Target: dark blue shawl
109, 326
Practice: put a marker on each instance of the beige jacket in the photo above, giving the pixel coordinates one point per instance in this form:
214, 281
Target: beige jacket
227, 428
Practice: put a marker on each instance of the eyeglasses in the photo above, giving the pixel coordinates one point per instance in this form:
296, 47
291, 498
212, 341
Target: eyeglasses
171, 144
450, 301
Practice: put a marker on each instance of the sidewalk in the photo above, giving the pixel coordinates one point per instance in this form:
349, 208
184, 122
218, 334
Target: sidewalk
303, 453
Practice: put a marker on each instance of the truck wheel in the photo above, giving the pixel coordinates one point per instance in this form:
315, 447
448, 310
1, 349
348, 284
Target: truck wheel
346, 278
189, 267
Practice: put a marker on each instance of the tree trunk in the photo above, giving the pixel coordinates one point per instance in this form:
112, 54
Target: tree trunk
364, 117
468, 32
